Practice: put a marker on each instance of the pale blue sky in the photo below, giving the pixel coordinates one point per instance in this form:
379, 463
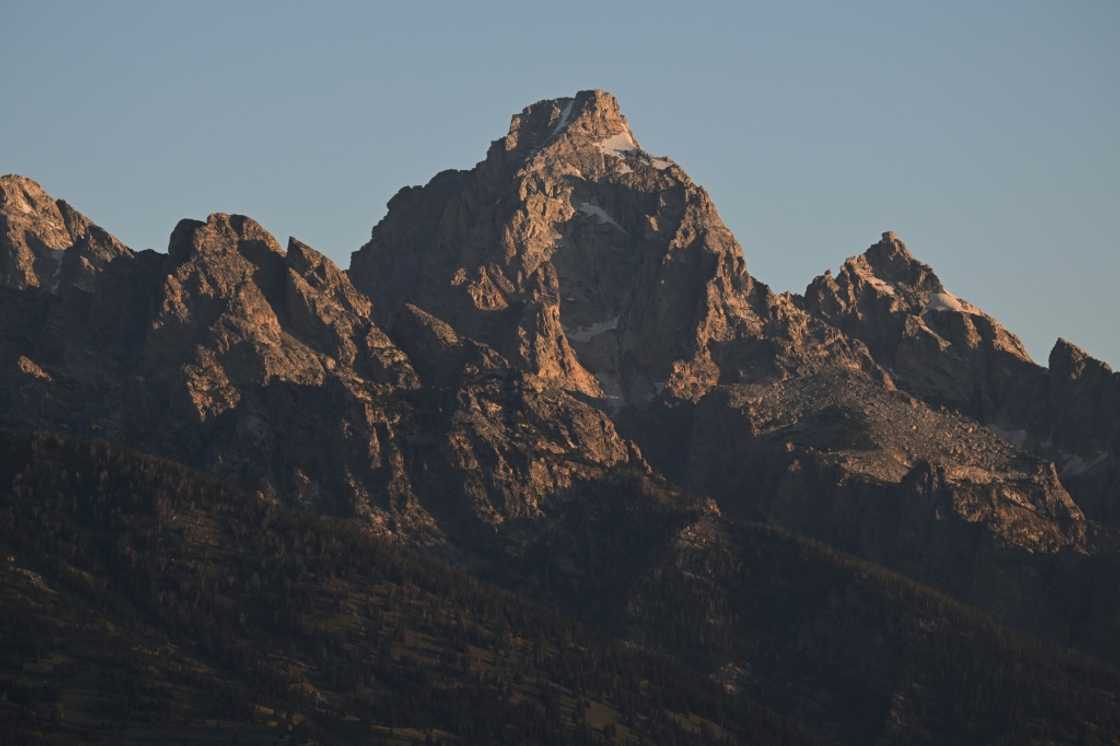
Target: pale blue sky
985, 134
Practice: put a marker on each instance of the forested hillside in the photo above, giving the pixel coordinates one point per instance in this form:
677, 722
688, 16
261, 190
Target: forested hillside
146, 601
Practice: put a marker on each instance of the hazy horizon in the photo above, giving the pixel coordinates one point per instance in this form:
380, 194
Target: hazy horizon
985, 137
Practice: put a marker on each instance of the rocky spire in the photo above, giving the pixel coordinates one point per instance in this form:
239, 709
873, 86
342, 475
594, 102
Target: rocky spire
589, 116
1084, 402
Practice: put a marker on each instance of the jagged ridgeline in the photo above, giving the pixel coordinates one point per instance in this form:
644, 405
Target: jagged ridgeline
534, 470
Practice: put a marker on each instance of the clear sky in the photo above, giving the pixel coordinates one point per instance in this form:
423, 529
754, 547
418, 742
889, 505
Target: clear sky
986, 134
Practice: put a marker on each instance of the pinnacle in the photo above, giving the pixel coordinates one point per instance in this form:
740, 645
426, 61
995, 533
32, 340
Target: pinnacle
890, 260
591, 114
1066, 356
888, 248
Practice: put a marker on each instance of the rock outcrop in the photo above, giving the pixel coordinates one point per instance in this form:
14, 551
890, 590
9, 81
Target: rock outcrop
46, 243
1081, 430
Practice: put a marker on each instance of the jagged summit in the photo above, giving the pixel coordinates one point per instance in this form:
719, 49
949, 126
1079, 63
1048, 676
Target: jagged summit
1083, 399
220, 231
937, 345
1075, 360
585, 135
592, 115
888, 276
46, 243
890, 260
887, 267
23, 194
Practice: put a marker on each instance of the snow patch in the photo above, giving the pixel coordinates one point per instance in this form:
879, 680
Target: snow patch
945, 302
588, 208
879, 285
565, 115
617, 145
623, 143
587, 333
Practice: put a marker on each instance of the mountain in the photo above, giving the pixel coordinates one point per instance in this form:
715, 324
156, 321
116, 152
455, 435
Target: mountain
815, 413
550, 380
589, 262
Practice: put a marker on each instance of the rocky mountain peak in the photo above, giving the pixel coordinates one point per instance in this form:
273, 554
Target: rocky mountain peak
46, 243
938, 345
1070, 361
589, 115
23, 195
889, 277
1084, 396
221, 232
573, 253
889, 260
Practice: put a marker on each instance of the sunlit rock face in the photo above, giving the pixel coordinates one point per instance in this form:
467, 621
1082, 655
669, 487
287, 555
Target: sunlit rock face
574, 252
45, 243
